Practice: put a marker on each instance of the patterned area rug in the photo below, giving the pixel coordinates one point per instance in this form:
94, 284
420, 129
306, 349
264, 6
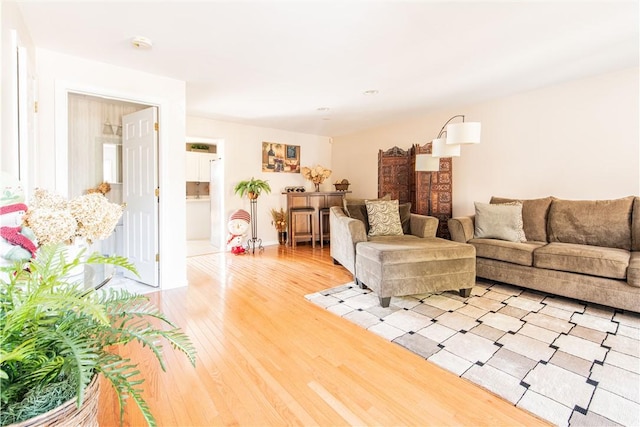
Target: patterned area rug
569, 362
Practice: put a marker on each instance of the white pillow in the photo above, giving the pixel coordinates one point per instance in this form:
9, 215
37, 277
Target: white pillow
499, 221
384, 218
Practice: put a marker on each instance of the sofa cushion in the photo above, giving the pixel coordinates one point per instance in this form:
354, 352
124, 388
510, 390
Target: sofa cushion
392, 239
407, 251
604, 223
633, 272
404, 209
635, 225
502, 222
384, 218
585, 259
534, 216
502, 250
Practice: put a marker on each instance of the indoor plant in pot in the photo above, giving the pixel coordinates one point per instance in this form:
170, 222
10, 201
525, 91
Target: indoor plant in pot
279, 220
57, 333
252, 188
56, 336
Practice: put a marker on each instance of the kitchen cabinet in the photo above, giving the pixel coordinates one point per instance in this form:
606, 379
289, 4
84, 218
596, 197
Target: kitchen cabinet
198, 219
197, 166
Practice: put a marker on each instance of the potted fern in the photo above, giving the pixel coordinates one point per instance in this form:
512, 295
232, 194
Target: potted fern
252, 188
57, 336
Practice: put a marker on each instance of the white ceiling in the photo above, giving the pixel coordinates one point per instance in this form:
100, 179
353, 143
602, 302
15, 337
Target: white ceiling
274, 63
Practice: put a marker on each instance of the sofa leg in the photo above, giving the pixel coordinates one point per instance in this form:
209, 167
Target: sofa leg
335, 262
384, 301
465, 293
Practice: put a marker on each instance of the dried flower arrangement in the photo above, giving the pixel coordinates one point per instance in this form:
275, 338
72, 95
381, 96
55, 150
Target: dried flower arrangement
103, 188
53, 219
279, 219
317, 174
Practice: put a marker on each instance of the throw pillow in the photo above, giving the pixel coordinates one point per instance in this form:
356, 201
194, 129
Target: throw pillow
499, 221
384, 218
534, 216
357, 209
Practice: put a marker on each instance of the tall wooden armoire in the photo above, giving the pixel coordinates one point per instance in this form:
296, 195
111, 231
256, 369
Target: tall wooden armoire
398, 178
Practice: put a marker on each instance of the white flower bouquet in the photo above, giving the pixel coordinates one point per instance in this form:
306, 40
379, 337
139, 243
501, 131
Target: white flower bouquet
53, 219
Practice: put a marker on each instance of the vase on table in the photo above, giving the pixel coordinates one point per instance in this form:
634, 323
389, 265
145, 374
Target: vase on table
317, 184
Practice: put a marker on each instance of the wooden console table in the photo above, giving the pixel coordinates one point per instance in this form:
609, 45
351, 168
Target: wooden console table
315, 199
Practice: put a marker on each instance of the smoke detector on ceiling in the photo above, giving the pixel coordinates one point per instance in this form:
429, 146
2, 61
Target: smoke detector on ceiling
140, 42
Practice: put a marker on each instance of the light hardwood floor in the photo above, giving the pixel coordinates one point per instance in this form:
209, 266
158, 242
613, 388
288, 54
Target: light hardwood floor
267, 356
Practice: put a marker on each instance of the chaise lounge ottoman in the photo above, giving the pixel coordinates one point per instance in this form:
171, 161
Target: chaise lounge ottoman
416, 266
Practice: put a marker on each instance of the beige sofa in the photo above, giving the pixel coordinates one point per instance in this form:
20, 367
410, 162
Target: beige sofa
412, 261
587, 250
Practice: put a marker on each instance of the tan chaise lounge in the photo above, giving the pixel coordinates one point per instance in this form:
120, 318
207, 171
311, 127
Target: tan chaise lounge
587, 250
414, 262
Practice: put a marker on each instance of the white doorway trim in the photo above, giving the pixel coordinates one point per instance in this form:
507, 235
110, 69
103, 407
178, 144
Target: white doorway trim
62, 91
61, 111
222, 225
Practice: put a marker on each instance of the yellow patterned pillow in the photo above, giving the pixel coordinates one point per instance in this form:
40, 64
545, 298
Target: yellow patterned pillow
384, 218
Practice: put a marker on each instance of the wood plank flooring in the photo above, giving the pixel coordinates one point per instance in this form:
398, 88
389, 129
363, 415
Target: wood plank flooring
267, 356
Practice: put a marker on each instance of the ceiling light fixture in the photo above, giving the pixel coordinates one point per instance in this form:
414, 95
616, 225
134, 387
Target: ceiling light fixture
140, 42
322, 108
370, 92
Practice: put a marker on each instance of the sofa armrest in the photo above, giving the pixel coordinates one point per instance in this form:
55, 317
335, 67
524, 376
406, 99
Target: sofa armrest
346, 233
423, 226
461, 228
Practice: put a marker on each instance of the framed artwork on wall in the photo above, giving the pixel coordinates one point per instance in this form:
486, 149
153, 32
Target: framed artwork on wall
278, 157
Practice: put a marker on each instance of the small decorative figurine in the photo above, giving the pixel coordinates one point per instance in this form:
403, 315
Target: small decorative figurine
238, 227
17, 243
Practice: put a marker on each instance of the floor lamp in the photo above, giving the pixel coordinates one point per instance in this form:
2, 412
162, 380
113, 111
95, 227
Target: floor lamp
447, 144
457, 134
427, 163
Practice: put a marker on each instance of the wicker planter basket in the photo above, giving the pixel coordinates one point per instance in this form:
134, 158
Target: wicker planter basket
341, 187
68, 414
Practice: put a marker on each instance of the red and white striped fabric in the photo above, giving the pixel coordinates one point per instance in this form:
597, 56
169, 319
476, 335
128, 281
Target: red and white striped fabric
241, 214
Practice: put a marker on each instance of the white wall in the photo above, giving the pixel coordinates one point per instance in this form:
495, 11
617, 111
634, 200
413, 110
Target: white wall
577, 140
242, 157
59, 74
13, 33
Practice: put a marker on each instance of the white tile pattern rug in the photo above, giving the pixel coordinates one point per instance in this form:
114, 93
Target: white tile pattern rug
569, 362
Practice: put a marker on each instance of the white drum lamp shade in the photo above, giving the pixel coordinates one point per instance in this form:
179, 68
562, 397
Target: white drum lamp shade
427, 163
463, 133
439, 148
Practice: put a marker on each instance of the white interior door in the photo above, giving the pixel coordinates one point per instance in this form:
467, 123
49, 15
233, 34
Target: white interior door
140, 182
